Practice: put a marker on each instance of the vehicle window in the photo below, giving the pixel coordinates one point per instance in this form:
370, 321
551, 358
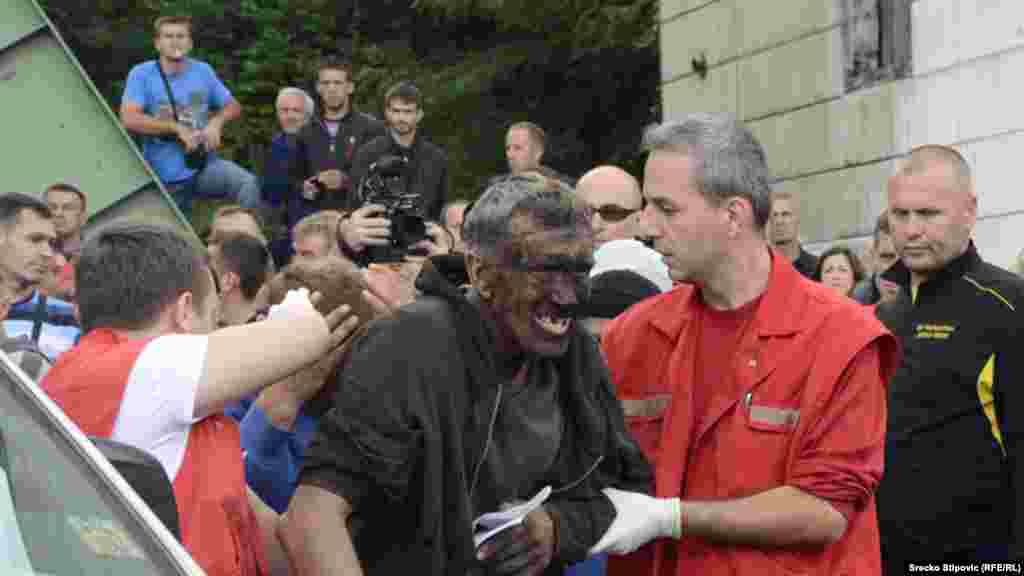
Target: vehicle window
58, 515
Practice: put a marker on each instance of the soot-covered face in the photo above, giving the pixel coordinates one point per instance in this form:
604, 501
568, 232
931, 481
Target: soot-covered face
535, 289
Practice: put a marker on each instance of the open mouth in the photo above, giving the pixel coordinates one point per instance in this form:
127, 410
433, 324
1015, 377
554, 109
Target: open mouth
553, 320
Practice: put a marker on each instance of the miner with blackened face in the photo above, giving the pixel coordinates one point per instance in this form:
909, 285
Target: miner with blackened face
468, 400
530, 282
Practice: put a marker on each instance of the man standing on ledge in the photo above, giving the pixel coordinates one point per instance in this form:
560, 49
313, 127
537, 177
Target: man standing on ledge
767, 450
147, 110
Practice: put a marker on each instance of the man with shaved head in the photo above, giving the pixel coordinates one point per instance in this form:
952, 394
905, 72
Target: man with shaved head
616, 201
953, 489
784, 233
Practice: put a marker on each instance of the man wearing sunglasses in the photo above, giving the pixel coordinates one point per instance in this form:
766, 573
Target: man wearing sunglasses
615, 199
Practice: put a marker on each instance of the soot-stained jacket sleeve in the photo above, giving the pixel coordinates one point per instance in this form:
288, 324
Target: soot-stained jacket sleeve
368, 443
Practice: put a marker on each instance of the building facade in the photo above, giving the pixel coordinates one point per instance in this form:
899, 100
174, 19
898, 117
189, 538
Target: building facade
837, 90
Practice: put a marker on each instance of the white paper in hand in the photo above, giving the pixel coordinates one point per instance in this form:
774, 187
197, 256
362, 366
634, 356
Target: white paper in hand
493, 523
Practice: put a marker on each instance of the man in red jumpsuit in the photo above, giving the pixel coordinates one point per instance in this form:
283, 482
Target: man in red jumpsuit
758, 395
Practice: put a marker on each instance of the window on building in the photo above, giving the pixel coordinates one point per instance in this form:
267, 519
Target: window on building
876, 41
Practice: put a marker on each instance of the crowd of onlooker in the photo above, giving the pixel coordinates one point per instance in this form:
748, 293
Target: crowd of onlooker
651, 352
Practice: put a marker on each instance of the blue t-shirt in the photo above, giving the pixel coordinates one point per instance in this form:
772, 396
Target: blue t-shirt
197, 90
273, 457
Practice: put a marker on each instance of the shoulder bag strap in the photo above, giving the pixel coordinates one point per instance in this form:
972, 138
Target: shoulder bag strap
38, 317
167, 86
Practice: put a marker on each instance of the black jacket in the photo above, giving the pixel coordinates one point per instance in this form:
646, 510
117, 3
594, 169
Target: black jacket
955, 447
866, 291
806, 264
427, 174
313, 154
409, 428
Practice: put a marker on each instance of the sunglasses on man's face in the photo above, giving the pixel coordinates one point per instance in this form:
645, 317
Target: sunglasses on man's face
614, 212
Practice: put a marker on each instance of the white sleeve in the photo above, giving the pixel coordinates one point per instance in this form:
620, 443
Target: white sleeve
159, 400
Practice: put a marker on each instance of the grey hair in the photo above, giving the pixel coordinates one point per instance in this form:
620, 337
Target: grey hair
310, 105
487, 228
730, 160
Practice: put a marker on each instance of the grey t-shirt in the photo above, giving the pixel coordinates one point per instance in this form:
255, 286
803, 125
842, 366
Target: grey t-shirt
527, 435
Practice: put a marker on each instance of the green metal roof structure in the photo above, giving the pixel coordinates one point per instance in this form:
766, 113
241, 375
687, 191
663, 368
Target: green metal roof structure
57, 127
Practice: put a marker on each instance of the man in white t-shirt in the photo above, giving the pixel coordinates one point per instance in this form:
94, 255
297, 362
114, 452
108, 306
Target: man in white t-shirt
152, 372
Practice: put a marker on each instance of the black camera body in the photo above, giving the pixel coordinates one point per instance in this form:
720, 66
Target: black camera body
384, 184
197, 158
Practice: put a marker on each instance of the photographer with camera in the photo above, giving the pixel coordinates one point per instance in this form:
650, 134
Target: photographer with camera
169, 101
326, 146
399, 175
390, 226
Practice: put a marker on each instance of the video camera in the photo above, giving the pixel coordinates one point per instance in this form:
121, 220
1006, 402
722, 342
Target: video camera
384, 184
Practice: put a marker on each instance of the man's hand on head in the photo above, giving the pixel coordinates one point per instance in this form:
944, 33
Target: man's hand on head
283, 400
364, 227
296, 303
342, 324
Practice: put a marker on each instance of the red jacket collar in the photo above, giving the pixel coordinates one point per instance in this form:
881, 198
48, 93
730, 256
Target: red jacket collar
776, 316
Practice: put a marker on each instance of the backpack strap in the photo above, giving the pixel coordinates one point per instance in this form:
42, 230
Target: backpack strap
38, 317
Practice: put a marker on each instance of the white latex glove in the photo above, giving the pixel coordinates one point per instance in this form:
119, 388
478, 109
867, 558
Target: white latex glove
295, 304
639, 519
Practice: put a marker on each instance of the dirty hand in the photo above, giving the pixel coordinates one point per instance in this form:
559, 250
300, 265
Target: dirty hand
524, 550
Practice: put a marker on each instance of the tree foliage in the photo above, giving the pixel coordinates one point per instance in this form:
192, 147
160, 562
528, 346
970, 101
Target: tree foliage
585, 70
585, 26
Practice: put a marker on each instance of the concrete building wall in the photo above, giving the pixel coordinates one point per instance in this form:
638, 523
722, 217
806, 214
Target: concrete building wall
779, 65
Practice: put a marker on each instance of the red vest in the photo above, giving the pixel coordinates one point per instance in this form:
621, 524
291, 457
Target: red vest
218, 526
792, 358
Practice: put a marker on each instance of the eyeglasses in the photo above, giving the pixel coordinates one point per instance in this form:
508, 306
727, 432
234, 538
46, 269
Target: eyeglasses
614, 212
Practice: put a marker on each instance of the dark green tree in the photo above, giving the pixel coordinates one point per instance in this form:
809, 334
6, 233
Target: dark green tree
585, 70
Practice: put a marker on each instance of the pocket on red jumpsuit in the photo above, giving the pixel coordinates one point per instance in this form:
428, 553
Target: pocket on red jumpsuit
759, 441
644, 420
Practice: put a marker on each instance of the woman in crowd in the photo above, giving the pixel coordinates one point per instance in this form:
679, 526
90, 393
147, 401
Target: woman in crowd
839, 269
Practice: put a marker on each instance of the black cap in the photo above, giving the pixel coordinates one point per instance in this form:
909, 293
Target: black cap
614, 291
